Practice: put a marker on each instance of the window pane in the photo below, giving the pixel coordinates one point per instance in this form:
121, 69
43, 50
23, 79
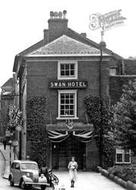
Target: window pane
62, 66
72, 66
72, 72
71, 112
67, 73
67, 104
67, 101
62, 112
127, 155
119, 158
67, 67
62, 72
126, 158
67, 70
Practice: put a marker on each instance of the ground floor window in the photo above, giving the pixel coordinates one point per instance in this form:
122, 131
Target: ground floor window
67, 104
123, 155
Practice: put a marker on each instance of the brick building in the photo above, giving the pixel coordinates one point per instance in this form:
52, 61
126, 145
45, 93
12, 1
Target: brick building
65, 67
7, 98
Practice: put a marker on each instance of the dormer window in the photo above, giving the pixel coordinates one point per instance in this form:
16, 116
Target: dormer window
67, 70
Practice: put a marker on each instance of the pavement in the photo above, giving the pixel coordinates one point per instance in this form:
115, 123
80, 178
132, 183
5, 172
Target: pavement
5, 160
86, 181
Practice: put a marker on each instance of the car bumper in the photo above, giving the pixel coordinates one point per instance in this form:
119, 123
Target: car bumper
38, 183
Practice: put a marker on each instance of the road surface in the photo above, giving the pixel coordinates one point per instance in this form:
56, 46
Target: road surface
85, 181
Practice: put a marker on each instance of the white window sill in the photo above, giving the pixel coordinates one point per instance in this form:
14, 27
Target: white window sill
67, 78
123, 162
66, 118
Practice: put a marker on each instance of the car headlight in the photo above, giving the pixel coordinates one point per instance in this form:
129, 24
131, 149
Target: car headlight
28, 174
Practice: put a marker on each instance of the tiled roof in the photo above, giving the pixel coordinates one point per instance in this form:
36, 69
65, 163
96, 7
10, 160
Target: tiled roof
8, 84
64, 46
8, 87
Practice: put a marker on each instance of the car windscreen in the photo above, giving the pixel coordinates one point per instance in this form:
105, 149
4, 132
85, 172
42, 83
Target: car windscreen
29, 166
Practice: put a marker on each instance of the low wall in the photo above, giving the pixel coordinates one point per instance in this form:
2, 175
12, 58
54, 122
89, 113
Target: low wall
2, 164
126, 184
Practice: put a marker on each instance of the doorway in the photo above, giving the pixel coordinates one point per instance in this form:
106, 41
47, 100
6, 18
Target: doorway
63, 151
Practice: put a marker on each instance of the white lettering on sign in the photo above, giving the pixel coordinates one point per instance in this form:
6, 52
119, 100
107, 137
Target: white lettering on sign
106, 21
68, 84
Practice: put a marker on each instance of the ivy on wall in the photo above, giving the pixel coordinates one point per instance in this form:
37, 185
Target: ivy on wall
100, 115
36, 129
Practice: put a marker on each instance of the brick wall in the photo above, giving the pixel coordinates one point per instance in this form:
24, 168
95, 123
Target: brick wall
130, 67
40, 73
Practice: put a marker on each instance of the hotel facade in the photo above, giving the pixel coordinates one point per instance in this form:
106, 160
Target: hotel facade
65, 67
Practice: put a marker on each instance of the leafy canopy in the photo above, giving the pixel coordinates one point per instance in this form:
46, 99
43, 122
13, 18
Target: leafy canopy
125, 117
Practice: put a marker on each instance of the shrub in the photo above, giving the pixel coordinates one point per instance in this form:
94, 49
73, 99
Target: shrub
124, 172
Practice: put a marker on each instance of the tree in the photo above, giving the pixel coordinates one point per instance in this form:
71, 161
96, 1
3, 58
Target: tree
125, 117
100, 115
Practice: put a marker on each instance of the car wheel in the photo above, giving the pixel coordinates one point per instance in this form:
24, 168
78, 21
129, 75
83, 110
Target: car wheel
29, 187
22, 184
11, 182
43, 187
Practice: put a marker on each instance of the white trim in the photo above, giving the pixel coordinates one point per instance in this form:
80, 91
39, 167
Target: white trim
122, 151
77, 58
75, 105
68, 62
68, 55
64, 118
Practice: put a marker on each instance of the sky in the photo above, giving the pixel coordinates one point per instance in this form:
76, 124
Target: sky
22, 23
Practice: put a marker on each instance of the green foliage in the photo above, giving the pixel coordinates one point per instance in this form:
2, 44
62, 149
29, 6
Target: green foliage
100, 115
124, 172
36, 129
125, 118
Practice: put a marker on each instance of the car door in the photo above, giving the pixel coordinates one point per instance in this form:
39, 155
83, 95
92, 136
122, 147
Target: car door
17, 173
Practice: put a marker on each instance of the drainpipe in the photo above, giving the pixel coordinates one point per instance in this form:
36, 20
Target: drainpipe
102, 45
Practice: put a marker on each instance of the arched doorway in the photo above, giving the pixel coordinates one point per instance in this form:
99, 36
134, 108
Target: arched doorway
63, 151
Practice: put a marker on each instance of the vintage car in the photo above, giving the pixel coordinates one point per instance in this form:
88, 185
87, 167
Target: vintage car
25, 173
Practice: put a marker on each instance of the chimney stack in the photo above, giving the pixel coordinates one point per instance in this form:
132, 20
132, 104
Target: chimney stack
57, 25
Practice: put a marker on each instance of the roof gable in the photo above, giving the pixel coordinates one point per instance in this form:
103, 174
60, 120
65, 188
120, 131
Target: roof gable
66, 46
8, 83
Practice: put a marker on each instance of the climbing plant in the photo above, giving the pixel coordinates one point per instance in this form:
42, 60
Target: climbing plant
100, 115
36, 129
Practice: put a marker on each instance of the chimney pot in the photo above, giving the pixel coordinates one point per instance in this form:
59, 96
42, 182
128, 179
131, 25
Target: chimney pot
83, 34
57, 26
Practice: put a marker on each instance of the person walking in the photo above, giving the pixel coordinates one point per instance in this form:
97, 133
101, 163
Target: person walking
73, 166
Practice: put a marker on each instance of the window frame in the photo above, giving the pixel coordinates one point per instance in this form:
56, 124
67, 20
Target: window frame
67, 77
75, 104
123, 156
